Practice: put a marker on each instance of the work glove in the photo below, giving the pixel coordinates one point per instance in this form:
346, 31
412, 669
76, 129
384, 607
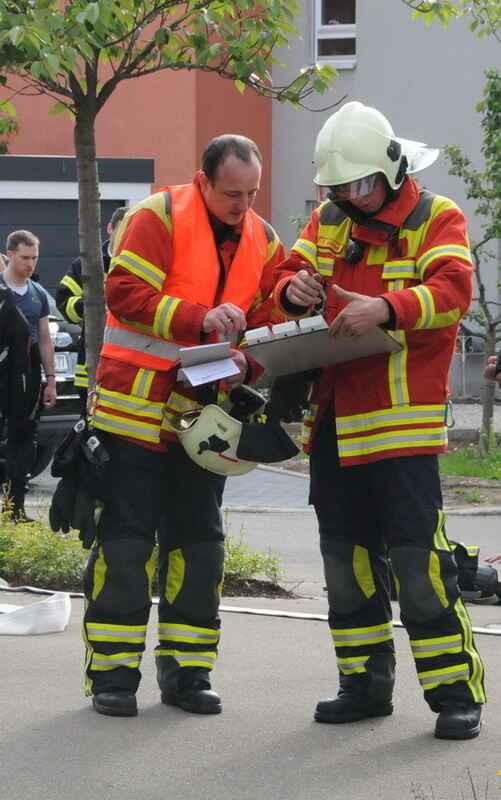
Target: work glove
289, 395
63, 502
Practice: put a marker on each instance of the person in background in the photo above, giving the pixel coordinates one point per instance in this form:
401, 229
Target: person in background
70, 300
22, 423
192, 264
383, 251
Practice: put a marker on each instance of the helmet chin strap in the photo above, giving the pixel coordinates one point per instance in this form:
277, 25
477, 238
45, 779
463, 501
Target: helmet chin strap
356, 247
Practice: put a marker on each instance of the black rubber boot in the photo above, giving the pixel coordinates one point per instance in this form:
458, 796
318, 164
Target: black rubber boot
361, 695
115, 704
192, 692
458, 720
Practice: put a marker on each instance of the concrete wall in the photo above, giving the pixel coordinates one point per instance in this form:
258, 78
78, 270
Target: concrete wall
426, 80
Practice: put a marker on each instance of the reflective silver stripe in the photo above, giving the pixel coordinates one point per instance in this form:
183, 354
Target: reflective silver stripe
372, 443
393, 417
141, 343
437, 647
110, 423
349, 664
98, 660
165, 632
141, 407
445, 677
109, 633
361, 636
187, 659
148, 272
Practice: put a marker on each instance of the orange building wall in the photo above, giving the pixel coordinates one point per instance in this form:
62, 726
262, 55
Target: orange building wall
168, 116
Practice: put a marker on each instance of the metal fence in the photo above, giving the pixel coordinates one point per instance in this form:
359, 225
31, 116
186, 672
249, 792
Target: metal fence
466, 376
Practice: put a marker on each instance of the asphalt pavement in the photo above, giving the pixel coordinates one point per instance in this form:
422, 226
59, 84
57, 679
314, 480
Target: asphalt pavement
276, 660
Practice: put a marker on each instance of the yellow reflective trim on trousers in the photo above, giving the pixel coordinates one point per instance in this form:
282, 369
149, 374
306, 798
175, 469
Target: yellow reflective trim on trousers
392, 440
128, 403
362, 570
475, 682
432, 678
441, 251
175, 575
353, 637
350, 666
106, 632
308, 250
182, 633
73, 315
189, 659
150, 568
398, 415
142, 382
430, 648
427, 306
439, 538
164, 314
99, 574
125, 427
436, 578
102, 662
89, 650
141, 267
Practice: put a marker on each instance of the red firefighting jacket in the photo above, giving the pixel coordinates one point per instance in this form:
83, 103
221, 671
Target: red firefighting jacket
416, 257
165, 275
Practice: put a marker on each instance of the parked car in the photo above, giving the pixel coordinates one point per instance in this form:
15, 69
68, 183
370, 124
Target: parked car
56, 422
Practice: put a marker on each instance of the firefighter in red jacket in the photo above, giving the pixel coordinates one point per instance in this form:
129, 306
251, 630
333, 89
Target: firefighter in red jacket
192, 264
385, 252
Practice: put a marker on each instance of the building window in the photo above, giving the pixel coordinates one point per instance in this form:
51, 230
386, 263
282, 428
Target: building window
335, 33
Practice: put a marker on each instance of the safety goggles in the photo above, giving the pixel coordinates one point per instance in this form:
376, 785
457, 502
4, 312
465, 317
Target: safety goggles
349, 191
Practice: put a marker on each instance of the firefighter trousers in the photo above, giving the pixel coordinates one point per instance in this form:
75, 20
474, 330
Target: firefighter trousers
391, 509
147, 493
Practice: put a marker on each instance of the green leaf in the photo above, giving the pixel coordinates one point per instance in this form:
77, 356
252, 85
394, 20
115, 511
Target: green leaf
57, 108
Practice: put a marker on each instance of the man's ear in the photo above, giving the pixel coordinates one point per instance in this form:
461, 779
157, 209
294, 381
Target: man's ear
204, 181
109, 229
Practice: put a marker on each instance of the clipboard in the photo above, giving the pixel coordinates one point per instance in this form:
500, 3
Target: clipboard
315, 348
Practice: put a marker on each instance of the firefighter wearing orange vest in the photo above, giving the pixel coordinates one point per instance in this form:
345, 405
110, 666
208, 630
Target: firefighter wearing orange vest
385, 252
192, 264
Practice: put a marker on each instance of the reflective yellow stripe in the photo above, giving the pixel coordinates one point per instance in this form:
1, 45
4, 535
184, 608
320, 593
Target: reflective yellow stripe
163, 315
72, 285
106, 632
440, 540
429, 648
99, 575
175, 575
432, 678
102, 662
442, 251
190, 659
130, 404
187, 633
393, 440
353, 637
436, 578
73, 315
141, 343
125, 426
142, 382
349, 666
141, 267
475, 682
427, 306
405, 269
307, 249
390, 417
362, 570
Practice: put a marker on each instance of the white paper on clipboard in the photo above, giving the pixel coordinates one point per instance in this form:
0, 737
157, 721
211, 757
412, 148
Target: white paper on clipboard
206, 363
317, 349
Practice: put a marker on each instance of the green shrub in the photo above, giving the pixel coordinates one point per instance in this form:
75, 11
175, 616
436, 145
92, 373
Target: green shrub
32, 554
244, 563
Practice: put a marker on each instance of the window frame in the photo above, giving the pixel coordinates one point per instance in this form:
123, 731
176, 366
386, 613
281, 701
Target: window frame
325, 33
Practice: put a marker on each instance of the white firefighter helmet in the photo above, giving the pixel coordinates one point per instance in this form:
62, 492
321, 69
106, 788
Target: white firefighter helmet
222, 444
355, 142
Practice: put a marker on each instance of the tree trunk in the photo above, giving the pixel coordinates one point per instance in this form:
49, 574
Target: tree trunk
488, 400
89, 231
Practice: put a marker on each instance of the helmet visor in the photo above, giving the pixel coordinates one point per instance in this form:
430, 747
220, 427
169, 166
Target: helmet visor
351, 190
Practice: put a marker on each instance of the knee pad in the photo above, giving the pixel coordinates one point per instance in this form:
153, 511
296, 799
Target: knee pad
426, 581
348, 575
191, 578
119, 575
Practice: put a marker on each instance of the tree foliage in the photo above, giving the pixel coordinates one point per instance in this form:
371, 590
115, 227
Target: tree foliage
484, 15
484, 187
